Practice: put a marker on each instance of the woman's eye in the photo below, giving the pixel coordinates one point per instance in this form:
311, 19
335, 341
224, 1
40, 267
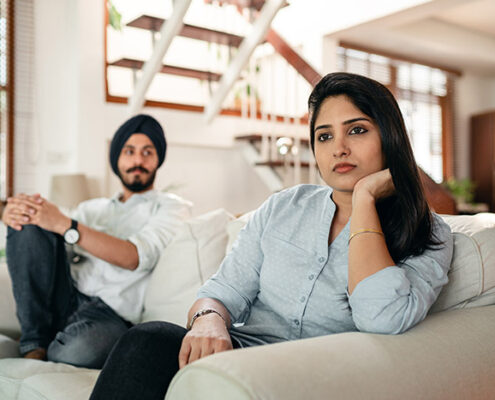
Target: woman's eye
357, 130
323, 137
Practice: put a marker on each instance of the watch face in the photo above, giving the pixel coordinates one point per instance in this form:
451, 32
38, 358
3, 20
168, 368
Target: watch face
71, 236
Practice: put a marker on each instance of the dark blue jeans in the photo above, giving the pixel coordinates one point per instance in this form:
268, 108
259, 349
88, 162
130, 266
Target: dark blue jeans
142, 363
74, 328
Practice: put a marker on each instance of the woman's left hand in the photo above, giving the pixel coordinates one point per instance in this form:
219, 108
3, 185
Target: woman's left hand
379, 185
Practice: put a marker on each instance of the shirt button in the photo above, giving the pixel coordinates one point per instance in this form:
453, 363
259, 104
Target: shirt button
311, 277
321, 259
302, 299
296, 322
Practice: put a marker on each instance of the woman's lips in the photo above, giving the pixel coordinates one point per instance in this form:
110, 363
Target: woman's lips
343, 168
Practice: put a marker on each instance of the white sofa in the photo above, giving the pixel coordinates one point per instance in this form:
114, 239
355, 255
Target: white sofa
450, 355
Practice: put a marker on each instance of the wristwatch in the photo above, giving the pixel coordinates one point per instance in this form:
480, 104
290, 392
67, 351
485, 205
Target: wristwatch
71, 235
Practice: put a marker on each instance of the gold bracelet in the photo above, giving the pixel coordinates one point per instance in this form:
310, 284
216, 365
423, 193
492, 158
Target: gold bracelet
364, 231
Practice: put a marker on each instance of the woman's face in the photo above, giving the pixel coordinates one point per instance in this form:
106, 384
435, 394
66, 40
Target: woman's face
347, 144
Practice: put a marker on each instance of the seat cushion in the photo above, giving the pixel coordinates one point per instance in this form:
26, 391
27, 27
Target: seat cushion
22, 379
188, 261
8, 348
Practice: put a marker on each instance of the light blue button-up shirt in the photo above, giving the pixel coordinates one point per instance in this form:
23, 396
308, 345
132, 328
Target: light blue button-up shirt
282, 281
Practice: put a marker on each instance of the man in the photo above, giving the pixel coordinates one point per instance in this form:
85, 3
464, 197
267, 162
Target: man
75, 313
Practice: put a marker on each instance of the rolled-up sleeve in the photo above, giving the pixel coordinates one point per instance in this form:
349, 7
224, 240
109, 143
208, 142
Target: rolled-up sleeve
396, 298
236, 284
161, 228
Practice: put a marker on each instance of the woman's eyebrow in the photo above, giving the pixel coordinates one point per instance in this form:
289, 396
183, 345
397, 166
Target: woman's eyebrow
350, 121
347, 122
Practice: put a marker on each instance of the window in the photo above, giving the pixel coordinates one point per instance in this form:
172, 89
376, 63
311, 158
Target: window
424, 97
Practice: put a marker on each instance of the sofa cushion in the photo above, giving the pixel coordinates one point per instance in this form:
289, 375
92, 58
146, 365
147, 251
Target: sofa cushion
9, 348
188, 261
472, 272
9, 325
22, 379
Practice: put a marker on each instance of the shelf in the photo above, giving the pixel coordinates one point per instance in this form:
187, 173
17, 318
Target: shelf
256, 137
276, 164
189, 31
254, 4
169, 69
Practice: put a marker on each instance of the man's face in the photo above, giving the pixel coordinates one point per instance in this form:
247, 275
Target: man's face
138, 163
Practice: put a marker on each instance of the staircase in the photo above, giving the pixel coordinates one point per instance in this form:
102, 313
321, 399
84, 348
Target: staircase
269, 92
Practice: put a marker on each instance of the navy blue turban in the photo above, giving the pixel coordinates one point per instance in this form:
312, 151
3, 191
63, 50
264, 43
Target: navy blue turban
138, 124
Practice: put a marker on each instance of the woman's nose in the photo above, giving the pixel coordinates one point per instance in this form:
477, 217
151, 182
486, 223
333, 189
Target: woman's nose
341, 147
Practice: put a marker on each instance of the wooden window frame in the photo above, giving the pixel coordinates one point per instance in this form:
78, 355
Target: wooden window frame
445, 102
9, 90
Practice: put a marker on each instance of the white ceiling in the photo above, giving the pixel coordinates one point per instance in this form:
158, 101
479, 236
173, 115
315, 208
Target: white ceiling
478, 16
458, 34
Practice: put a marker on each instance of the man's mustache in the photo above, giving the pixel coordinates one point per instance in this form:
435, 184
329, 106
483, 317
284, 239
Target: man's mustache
138, 168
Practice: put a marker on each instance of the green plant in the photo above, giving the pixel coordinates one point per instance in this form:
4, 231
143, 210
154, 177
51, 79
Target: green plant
114, 17
462, 189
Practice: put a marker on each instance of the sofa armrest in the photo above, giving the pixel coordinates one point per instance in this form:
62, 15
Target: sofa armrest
9, 325
450, 355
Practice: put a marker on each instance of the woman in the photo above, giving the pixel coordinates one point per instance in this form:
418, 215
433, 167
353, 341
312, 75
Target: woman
363, 253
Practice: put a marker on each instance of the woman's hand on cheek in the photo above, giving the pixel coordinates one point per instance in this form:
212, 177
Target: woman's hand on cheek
378, 185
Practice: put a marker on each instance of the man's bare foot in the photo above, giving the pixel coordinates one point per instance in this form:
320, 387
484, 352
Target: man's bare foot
36, 354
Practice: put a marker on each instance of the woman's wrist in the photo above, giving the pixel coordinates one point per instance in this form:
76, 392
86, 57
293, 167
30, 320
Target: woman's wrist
362, 197
204, 314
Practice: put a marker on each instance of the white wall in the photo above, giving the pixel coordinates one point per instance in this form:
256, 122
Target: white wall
73, 123
474, 95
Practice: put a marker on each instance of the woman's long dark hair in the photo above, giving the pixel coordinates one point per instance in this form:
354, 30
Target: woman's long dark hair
405, 216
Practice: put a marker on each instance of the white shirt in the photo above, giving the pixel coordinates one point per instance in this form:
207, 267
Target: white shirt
148, 220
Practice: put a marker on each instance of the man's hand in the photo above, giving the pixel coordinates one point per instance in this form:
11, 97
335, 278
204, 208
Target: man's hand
20, 210
208, 335
378, 185
49, 217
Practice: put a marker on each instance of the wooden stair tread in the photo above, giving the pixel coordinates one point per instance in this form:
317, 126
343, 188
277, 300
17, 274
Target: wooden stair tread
279, 163
254, 4
192, 32
256, 137
169, 69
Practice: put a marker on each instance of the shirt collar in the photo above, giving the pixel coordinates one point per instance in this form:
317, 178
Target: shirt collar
135, 197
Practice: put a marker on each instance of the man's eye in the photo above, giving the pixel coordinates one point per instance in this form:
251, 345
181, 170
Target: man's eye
357, 130
323, 137
128, 152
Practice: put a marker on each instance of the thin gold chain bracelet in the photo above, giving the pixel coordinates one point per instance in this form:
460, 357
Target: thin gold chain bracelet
364, 231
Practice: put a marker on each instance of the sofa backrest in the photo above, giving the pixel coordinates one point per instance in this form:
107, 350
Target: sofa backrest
472, 272
188, 261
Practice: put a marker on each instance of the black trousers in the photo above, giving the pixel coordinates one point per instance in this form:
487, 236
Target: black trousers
142, 363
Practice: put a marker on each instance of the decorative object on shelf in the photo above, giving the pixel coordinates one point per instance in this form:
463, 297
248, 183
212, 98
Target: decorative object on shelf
285, 145
462, 189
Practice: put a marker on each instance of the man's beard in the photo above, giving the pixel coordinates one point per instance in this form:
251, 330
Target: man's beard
137, 185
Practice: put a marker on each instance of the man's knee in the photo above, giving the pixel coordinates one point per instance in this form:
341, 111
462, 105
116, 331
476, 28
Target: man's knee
30, 236
88, 348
